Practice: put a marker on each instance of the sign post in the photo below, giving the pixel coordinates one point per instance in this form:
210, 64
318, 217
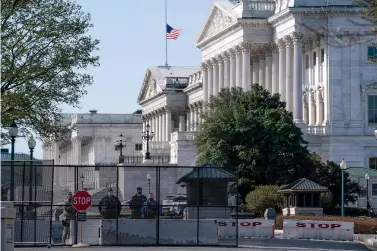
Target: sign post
81, 201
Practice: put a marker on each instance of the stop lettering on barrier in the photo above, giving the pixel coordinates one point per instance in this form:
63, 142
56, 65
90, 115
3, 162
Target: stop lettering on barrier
316, 225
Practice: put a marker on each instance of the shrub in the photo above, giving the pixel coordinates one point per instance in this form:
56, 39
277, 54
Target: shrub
363, 225
348, 211
264, 197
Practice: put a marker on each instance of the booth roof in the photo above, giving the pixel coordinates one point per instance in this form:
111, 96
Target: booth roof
206, 172
303, 185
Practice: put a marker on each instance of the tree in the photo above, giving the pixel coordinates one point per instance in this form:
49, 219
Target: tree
329, 174
370, 9
252, 133
264, 197
45, 52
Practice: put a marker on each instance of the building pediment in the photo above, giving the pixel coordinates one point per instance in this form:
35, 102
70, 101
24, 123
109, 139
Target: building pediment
149, 87
220, 19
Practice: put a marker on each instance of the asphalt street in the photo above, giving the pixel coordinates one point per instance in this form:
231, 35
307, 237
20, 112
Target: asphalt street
255, 245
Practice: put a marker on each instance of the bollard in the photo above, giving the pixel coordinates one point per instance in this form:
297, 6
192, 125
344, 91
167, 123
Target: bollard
8, 215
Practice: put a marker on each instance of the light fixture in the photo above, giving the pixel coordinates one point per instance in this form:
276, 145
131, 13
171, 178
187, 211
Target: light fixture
149, 177
366, 176
343, 164
13, 130
31, 142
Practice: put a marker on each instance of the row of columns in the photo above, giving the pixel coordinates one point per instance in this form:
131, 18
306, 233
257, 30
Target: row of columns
278, 67
194, 115
314, 106
160, 122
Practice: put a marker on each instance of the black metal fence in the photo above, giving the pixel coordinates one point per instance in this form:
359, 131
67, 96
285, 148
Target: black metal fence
190, 201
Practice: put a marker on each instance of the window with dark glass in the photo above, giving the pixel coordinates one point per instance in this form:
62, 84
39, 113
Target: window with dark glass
300, 200
372, 53
372, 109
314, 58
322, 55
307, 62
374, 189
138, 147
176, 83
373, 163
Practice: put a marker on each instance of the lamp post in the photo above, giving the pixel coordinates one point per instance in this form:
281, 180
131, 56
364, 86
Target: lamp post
343, 166
13, 132
147, 136
367, 179
82, 178
31, 144
119, 145
149, 177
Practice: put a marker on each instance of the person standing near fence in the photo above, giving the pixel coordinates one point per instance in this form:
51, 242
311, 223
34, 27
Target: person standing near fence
110, 206
136, 203
69, 213
150, 208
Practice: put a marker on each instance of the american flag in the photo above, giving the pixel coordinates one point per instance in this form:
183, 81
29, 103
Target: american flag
172, 33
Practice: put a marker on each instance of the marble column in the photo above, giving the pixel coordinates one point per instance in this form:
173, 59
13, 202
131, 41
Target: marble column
255, 69
210, 81
233, 70
312, 108
289, 72
238, 66
226, 57
181, 122
282, 68
144, 123
204, 67
160, 126
188, 118
246, 80
297, 64
275, 70
317, 43
215, 82
195, 115
220, 62
305, 112
268, 73
164, 136
168, 123
262, 70
319, 106
192, 123
325, 81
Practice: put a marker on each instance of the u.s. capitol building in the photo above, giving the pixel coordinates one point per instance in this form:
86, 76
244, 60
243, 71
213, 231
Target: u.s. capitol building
316, 53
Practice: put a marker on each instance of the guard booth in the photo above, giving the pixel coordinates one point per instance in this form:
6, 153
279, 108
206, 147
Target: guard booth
302, 197
207, 192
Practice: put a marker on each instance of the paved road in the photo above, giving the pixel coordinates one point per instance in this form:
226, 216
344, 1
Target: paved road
255, 245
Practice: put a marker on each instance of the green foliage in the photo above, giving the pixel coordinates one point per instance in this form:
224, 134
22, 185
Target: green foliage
370, 9
264, 197
252, 133
329, 174
45, 52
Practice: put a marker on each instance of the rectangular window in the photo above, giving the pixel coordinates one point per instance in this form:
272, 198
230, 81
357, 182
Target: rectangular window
372, 109
307, 62
314, 58
373, 163
372, 53
138, 147
363, 192
322, 55
374, 189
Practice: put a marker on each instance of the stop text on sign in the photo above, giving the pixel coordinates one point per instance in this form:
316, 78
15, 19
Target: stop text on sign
318, 225
242, 224
81, 200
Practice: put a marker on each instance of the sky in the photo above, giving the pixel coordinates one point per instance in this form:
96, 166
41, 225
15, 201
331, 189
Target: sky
132, 38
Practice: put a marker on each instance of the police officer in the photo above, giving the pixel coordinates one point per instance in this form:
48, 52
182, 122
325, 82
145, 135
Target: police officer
136, 203
69, 213
110, 206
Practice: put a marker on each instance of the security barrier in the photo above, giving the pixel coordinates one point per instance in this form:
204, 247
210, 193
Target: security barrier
318, 230
247, 228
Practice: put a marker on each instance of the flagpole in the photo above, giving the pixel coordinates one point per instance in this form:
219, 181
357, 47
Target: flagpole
166, 38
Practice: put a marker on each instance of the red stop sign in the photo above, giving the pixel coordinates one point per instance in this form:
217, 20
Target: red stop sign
81, 200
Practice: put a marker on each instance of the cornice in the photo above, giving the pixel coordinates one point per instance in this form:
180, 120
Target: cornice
193, 88
217, 35
314, 12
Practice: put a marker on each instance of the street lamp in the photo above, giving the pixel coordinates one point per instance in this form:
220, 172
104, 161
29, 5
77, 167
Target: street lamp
367, 179
13, 132
147, 136
343, 166
31, 143
119, 145
149, 177
82, 178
